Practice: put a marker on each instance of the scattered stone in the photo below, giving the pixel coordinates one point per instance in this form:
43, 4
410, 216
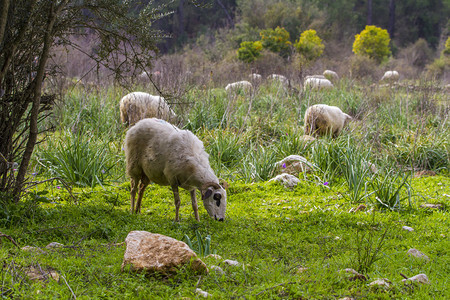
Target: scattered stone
218, 270
289, 181
202, 293
420, 278
360, 207
408, 228
294, 164
32, 249
417, 253
43, 275
383, 282
301, 270
424, 173
230, 262
357, 276
54, 245
152, 252
347, 298
432, 205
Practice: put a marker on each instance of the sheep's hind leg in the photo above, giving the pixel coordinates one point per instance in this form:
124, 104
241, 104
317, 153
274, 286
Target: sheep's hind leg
176, 196
133, 191
194, 205
142, 186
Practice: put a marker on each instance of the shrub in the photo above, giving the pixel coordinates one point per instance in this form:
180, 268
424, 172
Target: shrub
447, 47
363, 67
372, 42
309, 45
249, 51
276, 40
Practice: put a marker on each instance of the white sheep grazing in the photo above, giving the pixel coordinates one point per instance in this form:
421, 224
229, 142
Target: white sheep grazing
138, 105
390, 76
331, 75
321, 119
255, 77
159, 152
280, 78
317, 83
234, 87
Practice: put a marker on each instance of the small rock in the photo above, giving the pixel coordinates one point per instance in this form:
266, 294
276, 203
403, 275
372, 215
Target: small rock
289, 181
424, 173
230, 262
202, 293
408, 228
218, 270
32, 249
294, 164
357, 275
39, 274
431, 205
420, 278
383, 282
347, 298
54, 245
301, 270
417, 253
360, 207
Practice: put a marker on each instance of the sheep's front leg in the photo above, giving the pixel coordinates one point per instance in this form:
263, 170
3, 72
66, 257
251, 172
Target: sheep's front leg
133, 191
142, 186
176, 196
194, 205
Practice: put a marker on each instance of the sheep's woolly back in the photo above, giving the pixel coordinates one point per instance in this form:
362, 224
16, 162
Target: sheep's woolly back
244, 85
321, 119
166, 155
390, 76
317, 83
138, 105
331, 75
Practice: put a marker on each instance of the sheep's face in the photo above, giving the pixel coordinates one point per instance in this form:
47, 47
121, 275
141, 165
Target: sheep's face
215, 202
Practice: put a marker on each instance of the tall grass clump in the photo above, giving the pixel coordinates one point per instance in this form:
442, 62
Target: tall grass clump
293, 144
258, 164
78, 159
388, 186
326, 155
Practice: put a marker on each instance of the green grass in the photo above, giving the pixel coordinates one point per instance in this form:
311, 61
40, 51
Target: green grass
270, 230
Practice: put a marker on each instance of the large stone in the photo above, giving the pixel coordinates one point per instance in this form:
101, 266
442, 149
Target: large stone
419, 278
156, 253
294, 164
41, 274
289, 181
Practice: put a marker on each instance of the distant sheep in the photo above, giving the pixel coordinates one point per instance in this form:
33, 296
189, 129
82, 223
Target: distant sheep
390, 76
280, 78
138, 105
234, 87
255, 77
321, 119
331, 75
317, 83
159, 152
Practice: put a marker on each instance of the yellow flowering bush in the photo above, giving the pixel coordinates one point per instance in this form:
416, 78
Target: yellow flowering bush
373, 42
447, 47
309, 45
276, 40
249, 51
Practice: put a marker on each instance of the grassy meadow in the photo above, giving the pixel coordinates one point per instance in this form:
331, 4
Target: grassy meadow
290, 243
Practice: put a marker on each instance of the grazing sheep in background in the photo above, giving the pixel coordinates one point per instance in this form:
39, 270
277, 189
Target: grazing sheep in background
317, 83
282, 79
321, 119
390, 76
255, 77
315, 76
331, 75
159, 152
240, 85
138, 105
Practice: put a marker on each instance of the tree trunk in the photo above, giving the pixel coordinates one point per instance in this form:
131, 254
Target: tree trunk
391, 26
369, 12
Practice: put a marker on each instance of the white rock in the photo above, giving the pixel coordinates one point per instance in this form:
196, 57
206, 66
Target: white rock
54, 245
287, 180
230, 262
32, 249
383, 282
218, 270
202, 293
214, 256
294, 164
417, 253
408, 228
420, 278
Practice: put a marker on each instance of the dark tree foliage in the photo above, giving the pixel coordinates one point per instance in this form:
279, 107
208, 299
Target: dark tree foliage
28, 31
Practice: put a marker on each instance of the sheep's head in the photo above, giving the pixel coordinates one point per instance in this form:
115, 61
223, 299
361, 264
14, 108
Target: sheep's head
214, 199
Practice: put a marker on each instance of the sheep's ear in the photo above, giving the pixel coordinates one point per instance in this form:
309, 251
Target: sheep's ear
207, 193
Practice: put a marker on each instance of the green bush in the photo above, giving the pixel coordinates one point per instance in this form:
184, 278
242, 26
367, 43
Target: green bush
309, 45
447, 47
373, 42
249, 51
276, 40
